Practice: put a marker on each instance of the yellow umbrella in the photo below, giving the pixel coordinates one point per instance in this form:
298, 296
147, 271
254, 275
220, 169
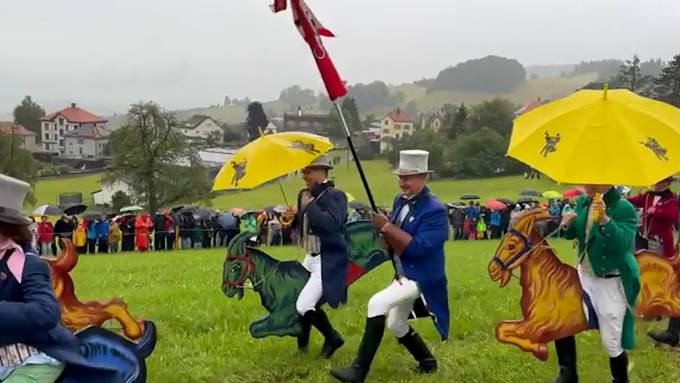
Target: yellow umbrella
600, 137
269, 157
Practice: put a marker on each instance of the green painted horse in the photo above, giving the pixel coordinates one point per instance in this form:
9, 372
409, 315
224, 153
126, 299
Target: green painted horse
279, 282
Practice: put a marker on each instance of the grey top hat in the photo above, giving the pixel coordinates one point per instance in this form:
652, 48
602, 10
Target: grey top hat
323, 161
11, 199
413, 162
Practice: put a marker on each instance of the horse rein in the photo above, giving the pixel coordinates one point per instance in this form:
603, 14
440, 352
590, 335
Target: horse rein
245, 271
526, 248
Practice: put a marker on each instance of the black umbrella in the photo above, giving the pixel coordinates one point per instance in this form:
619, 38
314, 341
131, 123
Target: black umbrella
48, 210
176, 209
467, 197
93, 216
190, 210
530, 193
203, 213
357, 205
506, 201
226, 221
526, 200
74, 209
270, 209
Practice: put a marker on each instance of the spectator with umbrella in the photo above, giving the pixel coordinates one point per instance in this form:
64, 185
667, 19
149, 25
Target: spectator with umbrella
115, 236
159, 231
63, 229
80, 237
46, 236
142, 226
91, 236
169, 229
102, 229
127, 226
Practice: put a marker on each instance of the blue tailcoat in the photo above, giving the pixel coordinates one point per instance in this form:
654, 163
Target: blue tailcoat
423, 258
327, 215
29, 314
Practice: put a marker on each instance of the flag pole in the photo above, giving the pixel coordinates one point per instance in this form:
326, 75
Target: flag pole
396, 261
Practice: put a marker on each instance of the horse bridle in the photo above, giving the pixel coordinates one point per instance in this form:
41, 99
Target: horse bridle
505, 265
245, 271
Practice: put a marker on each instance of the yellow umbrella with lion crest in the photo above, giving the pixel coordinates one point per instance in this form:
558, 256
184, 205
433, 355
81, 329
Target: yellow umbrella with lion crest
268, 157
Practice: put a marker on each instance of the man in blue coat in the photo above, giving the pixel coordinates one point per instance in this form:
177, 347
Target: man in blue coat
322, 214
34, 347
415, 234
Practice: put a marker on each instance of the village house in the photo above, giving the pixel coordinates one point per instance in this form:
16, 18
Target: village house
28, 138
87, 141
200, 127
53, 127
393, 126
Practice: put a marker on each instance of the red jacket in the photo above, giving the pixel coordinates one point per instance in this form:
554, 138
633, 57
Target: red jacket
45, 231
658, 218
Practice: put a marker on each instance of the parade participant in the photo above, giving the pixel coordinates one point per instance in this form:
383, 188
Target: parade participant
659, 214
322, 214
34, 347
416, 233
604, 225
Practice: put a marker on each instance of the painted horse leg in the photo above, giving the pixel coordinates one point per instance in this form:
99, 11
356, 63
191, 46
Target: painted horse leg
514, 332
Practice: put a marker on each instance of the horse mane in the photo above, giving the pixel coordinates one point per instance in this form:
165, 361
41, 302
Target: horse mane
238, 245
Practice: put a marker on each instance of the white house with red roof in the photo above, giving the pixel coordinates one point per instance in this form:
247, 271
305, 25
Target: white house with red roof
393, 126
54, 126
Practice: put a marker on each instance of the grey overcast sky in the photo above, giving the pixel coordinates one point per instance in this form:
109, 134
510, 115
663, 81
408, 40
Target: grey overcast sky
106, 54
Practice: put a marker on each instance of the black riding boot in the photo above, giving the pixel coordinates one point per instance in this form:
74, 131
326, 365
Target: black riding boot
566, 358
333, 340
356, 373
303, 338
619, 368
671, 336
417, 347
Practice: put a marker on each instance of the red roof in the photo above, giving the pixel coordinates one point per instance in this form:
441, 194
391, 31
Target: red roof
10, 127
75, 115
399, 116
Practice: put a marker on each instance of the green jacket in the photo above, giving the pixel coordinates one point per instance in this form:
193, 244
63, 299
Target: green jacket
610, 247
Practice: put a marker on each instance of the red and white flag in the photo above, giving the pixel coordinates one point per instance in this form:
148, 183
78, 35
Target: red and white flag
311, 30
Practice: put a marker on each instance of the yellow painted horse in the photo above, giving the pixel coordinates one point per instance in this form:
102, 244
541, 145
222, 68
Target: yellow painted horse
77, 315
552, 298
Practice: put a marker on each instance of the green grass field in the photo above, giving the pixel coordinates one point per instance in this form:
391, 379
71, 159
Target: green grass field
203, 335
383, 184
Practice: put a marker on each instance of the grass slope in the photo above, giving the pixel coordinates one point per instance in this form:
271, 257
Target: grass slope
203, 336
48, 190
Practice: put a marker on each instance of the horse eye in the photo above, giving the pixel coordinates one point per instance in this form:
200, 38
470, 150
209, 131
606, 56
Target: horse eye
236, 267
511, 247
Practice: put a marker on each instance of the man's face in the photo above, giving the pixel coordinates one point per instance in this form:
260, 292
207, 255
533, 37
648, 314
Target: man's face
412, 184
661, 186
314, 176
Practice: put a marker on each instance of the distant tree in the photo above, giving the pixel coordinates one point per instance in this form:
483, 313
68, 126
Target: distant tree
370, 95
455, 122
295, 95
352, 117
148, 154
667, 85
630, 77
227, 101
605, 69
28, 114
496, 115
120, 200
476, 154
17, 162
487, 74
412, 109
652, 67
256, 121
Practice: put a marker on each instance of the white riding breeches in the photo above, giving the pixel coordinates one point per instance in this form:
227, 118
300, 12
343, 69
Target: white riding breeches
313, 290
609, 302
395, 302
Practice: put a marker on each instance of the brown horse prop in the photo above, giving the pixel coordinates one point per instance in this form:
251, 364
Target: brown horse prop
77, 315
552, 298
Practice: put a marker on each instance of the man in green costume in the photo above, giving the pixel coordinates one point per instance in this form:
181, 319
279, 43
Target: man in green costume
604, 225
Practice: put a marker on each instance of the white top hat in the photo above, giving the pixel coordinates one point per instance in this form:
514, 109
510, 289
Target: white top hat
413, 162
11, 199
